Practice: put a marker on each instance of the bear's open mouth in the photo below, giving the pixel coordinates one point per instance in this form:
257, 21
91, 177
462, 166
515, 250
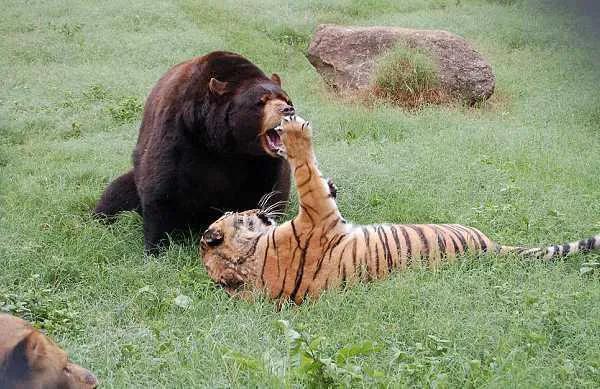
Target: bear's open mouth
273, 141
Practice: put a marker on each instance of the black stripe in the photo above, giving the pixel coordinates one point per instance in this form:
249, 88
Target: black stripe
386, 248
461, 238
304, 295
300, 271
305, 193
376, 228
304, 208
297, 246
322, 257
301, 184
300, 268
423, 239
333, 222
354, 243
283, 282
446, 231
469, 234
342, 236
330, 249
376, 261
589, 244
276, 252
397, 241
262, 272
408, 244
480, 238
299, 167
328, 215
295, 234
441, 240
341, 259
287, 267
368, 247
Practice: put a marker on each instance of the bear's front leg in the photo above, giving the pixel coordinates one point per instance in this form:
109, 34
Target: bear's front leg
160, 219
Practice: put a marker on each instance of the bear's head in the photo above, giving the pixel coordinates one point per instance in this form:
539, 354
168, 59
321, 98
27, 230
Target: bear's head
253, 109
28, 359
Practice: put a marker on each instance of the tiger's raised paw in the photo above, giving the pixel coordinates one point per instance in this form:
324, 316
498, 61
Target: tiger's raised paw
296, 138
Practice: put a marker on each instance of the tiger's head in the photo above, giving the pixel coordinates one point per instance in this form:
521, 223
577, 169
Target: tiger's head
229, 244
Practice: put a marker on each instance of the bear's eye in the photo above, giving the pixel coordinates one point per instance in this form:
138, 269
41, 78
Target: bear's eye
263, 100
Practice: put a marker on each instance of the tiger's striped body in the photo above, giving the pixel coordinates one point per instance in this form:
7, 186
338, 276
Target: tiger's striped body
319, 250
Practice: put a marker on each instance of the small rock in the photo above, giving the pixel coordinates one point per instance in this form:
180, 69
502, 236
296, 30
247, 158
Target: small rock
183, 301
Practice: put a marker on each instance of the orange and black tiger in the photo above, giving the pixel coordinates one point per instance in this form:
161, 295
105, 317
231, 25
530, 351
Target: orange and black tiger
318, 249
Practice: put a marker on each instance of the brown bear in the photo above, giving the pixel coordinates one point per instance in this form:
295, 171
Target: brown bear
28, 359
205, 145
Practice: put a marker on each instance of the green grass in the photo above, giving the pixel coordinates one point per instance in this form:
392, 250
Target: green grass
406, 75
523, 167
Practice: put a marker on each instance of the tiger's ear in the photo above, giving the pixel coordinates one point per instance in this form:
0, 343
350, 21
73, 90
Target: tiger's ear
217, 87
276, 79
212, 236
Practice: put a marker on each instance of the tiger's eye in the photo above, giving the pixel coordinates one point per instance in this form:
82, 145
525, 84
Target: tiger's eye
264, 219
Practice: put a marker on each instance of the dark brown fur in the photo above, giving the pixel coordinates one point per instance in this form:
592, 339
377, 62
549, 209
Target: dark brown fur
201, 147
29, 360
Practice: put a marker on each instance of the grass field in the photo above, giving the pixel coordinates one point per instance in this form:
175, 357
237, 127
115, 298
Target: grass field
524, 168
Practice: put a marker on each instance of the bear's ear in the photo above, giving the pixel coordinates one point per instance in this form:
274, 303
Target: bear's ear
276, 79
28, 354
217, 87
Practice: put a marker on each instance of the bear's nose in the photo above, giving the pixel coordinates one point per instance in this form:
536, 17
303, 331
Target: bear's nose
91, 380
288, 110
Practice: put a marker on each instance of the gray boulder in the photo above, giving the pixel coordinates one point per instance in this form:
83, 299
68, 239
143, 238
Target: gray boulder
346, 58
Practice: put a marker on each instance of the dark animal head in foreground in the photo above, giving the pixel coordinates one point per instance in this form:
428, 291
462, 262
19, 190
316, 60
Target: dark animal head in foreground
30, 360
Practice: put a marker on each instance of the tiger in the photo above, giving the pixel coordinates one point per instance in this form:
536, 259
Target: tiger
318, 249
30, 360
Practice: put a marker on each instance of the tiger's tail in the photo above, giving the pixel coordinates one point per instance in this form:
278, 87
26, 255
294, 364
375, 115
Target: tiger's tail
554, 251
